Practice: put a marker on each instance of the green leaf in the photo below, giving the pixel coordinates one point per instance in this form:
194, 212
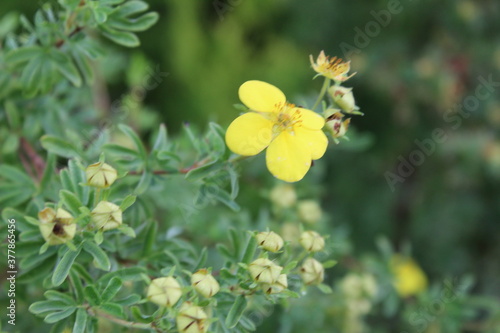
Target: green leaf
58, 316
129, 132
250, 250
63, 266
111, 289
48, 306
58, 146
324, 288
150, 238
15, 175
202, 259
161, 141
80, 321
236, 311
59, 296
129, 300
127, 230
127, 202
123, 152
139, 317
100, 257
113, 309
329, 263
204, 171
291, 265
65, 65
141, 23
22, 55
127, 39
13, 114
126, 274
144, 183
91, 295
71, 201
76, 282
50, 166
225, 198
130, 8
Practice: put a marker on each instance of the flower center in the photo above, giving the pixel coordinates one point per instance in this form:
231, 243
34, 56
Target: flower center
286, 117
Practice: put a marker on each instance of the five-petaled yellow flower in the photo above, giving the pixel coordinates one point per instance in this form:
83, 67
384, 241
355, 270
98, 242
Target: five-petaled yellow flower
293, 135
334, 68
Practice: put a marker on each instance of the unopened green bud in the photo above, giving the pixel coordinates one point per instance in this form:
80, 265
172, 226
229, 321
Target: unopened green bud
312, 241
312, 272
204, 283
191, 319
309, 211
344, 98
264, 271
164, 291
283, 195
106, 215
276, 287
56, 227
100, 175
269, 241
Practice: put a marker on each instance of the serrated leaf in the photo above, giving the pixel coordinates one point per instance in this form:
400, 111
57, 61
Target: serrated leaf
63, 266
236, 311
100, 257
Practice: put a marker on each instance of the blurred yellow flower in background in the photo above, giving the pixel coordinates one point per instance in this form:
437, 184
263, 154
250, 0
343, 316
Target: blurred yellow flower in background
293, 135
332, 68
409, 278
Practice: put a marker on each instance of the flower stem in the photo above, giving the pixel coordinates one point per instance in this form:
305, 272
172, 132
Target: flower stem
121, 322
322, 93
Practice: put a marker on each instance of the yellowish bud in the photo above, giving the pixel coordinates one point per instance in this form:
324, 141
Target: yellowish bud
277, 287
283, 195
344, 98
336, 125
191, 319
312, 272
312, 241
106, 216
264, 271
204, 283
164, 291
269, 241
56, 227
100, 175
309, 211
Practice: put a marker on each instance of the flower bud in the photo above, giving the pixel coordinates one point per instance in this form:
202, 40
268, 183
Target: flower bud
277, 287
100, 175
336, 126
309, 211
269, 241
204, 283
312, 272
312, 241
56, 227
409, 278
344, 98
191, 319
164, 291
283, 195
106, 216
264, 271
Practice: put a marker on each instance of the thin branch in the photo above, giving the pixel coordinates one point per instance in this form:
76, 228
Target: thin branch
131, 324
30, 159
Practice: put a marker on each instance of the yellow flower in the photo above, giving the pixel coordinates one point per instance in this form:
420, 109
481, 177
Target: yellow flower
334, 68
409, 279
292, 135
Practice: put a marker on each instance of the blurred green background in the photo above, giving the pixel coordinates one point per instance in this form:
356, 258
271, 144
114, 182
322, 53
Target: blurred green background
411, 75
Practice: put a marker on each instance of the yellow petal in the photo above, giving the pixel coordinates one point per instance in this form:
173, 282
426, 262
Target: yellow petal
311, 119
287, 157
315, 141
261, 96
249, 134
